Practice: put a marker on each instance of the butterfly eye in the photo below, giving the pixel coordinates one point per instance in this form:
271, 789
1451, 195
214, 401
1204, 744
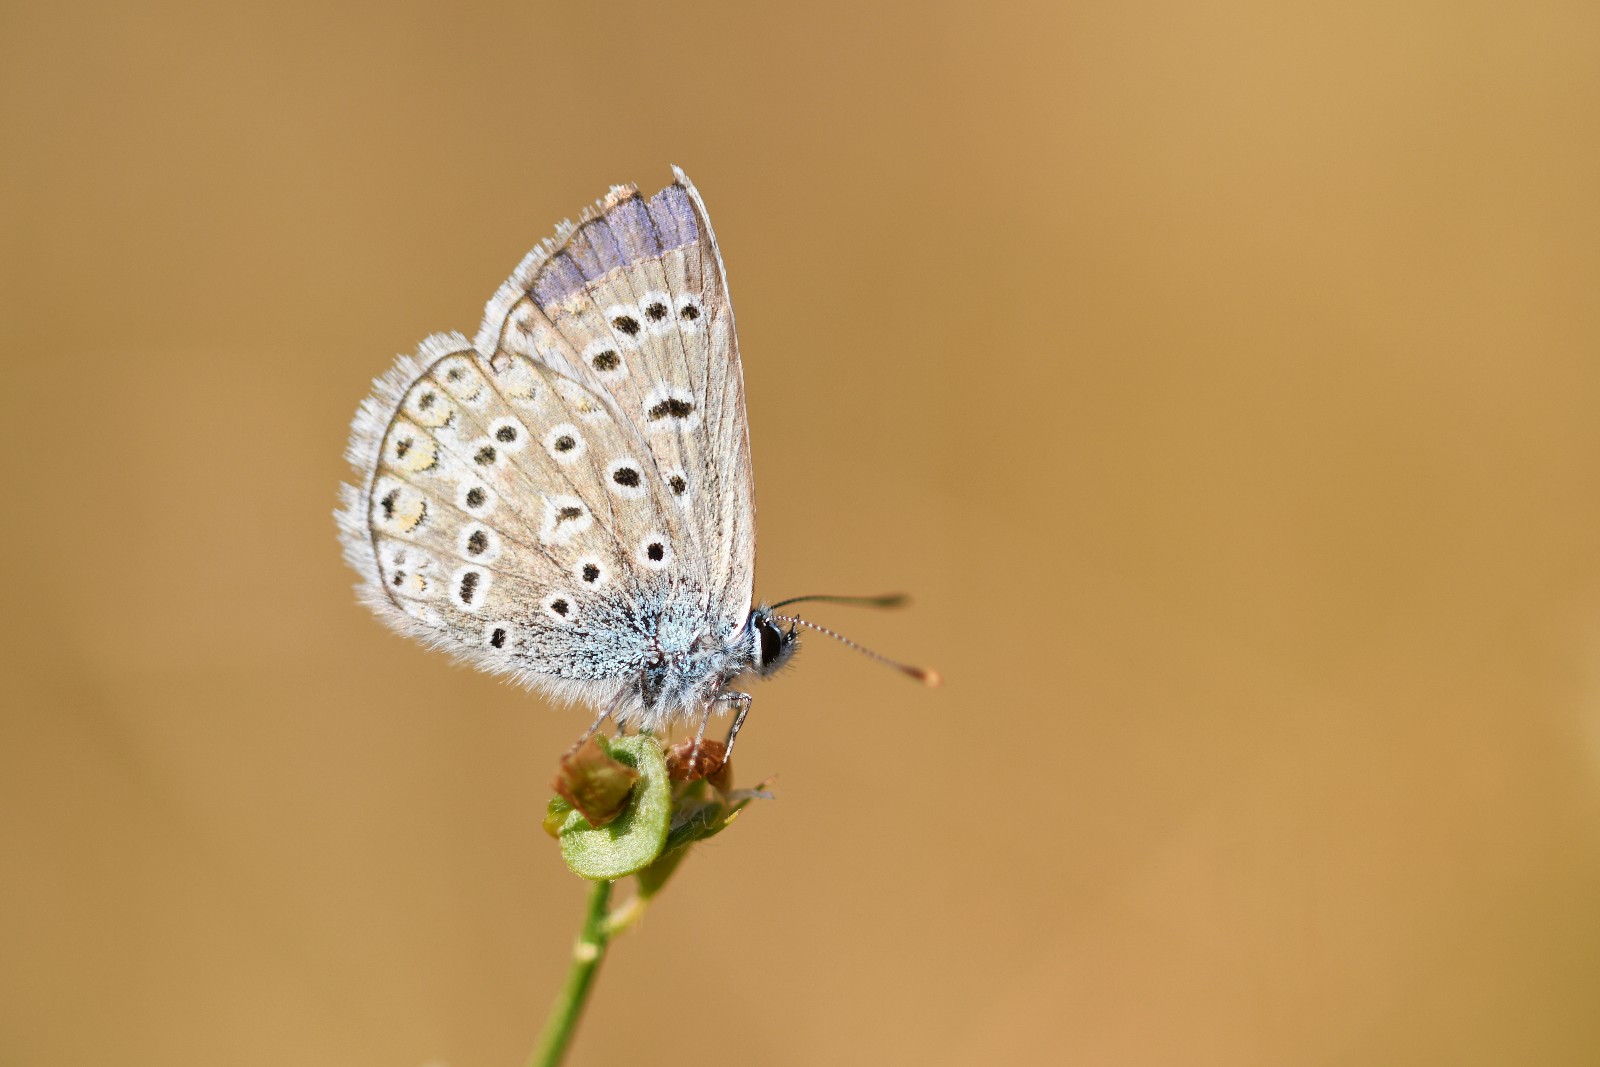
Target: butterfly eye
773, 647
771, 642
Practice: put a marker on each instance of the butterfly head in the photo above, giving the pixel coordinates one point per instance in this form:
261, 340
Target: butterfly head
771, 646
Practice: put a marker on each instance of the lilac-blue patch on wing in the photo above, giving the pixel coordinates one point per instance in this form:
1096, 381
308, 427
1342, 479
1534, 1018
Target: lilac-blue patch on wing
673, 215
631, 225
595, 249
558, 279
627, 233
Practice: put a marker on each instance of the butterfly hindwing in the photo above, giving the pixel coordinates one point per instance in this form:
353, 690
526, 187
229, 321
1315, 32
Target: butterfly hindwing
485, 526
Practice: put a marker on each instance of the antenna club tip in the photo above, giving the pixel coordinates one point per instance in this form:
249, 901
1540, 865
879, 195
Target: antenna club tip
932, 679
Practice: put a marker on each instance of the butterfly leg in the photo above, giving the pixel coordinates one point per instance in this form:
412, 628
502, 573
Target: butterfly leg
743, 700
594, 727
700, 735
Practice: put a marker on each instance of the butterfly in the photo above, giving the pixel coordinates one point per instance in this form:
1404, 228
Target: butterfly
567, 497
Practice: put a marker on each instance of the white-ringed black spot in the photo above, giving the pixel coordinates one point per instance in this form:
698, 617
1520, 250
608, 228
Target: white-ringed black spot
477, 543
657, 311
607, 360
560, 607
476, 497
564, 443
678, 484
626, 324
565, 517
654, 551
469, 586
591, 572
626, 477
689, 313
670, 408
486, 455
497, 637
506, 434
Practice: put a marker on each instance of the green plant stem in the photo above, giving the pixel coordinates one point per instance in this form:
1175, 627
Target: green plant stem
586, 957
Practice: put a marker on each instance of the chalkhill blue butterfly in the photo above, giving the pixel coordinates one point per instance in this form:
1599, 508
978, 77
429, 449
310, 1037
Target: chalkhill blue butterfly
567, 498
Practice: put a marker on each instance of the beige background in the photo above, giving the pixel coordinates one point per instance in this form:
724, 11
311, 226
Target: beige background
1222, 380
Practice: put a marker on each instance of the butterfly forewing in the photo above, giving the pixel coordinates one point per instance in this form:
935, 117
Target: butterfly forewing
633, 302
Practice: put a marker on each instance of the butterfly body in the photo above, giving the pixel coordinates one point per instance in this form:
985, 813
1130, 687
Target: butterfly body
567, 498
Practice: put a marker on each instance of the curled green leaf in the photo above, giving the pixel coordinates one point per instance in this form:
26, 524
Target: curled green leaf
634, 839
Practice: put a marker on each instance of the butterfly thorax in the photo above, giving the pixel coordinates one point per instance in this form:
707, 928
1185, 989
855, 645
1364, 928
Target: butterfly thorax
685, 661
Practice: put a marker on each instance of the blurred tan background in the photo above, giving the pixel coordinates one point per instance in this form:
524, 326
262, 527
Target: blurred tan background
1222, 379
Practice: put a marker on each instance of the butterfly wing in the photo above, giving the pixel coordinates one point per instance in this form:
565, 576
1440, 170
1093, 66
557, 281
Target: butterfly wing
632, 302
480, 526
529, 502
